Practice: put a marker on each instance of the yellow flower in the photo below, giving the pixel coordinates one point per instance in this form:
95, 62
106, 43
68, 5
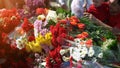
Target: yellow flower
37, 47
28, 47
40, 39
33, 46
48, 38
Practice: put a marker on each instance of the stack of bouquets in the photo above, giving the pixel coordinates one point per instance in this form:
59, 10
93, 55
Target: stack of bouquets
33, 38
50, 41
74, 46
10, 55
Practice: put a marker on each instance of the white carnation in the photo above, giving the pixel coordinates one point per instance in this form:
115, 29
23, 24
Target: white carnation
91, 52
20, 42
100, 55
83, 51
77, 40
62, 51
65, 58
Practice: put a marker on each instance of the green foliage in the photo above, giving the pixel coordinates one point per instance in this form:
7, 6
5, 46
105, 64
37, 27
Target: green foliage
50, 22
98, 33
63, 13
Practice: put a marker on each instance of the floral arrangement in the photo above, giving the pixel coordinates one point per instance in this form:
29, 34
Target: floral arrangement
61, 35
52, 39
9, 19
83, 29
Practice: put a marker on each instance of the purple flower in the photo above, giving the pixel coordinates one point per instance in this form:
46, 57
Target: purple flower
39, 27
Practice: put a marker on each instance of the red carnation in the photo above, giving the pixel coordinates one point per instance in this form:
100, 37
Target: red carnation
60, 39
54, 59
27, 25
62, 30
31, 38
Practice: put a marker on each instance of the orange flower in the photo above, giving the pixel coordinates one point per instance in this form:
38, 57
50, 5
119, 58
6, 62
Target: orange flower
74, 18
73, 23
83, 35
89, 43
40, 11
81, 26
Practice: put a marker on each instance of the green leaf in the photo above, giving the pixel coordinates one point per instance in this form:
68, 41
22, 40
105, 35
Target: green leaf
50, 22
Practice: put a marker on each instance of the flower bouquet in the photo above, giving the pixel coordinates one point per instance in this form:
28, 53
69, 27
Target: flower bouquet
89, 41
53, 39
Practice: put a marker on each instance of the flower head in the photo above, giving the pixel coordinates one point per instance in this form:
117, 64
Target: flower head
20, 42
100, 55
91, 52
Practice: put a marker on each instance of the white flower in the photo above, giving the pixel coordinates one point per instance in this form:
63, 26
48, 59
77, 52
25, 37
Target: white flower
100, 55
51, 15
91, 52
76, 56
83, 51
62, 51
43, 64
65, 58
77, 40
74, 52
20, 42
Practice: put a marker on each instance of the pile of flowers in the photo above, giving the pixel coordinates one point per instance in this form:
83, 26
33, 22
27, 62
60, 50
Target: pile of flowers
52, 39
9, 19
61, 38
31, 6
